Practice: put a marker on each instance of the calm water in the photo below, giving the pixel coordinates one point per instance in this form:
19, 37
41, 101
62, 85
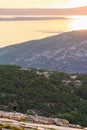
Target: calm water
12, 32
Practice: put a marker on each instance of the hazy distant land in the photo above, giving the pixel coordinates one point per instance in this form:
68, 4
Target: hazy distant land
31, 18
37, 11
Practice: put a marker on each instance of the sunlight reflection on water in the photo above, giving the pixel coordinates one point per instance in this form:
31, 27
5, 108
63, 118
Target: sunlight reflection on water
12, 32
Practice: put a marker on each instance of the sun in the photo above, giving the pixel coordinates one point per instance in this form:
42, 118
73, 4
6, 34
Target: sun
77, 3
76, 23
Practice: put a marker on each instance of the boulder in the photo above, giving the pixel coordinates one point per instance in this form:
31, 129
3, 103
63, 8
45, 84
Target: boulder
30, 118
61, 122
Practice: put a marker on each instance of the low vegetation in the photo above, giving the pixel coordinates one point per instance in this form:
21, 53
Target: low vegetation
45, 92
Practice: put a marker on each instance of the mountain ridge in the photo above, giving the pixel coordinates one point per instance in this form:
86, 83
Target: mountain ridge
64, 52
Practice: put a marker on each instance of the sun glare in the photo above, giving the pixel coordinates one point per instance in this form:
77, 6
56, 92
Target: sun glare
78, 22
77, 3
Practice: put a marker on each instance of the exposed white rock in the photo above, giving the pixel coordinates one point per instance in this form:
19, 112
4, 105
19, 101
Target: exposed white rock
73, 76
46, 74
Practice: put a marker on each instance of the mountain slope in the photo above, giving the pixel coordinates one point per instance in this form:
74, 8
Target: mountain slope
64, 52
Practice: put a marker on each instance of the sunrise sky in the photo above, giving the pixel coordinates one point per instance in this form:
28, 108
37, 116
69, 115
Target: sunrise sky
42, 3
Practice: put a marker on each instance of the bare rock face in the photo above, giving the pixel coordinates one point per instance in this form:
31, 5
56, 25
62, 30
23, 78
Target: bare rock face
37, 119
45, 120
13, 115
16, 119
9, 124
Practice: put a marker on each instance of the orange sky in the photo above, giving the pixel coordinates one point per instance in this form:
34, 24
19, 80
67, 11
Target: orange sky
42, 3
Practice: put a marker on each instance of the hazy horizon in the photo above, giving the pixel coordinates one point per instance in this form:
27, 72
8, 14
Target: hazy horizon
44, 11
14, 32
17, 29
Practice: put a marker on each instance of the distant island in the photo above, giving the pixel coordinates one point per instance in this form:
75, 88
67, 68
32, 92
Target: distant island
31, 18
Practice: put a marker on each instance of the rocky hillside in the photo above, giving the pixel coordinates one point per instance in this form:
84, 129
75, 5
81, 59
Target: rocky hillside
65, 52
44, 93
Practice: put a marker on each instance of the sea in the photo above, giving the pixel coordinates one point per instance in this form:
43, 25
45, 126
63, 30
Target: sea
19, 29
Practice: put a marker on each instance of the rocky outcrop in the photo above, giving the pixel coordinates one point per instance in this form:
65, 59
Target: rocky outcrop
13, 115
21, 121
37, 119
9, 124
49, 121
